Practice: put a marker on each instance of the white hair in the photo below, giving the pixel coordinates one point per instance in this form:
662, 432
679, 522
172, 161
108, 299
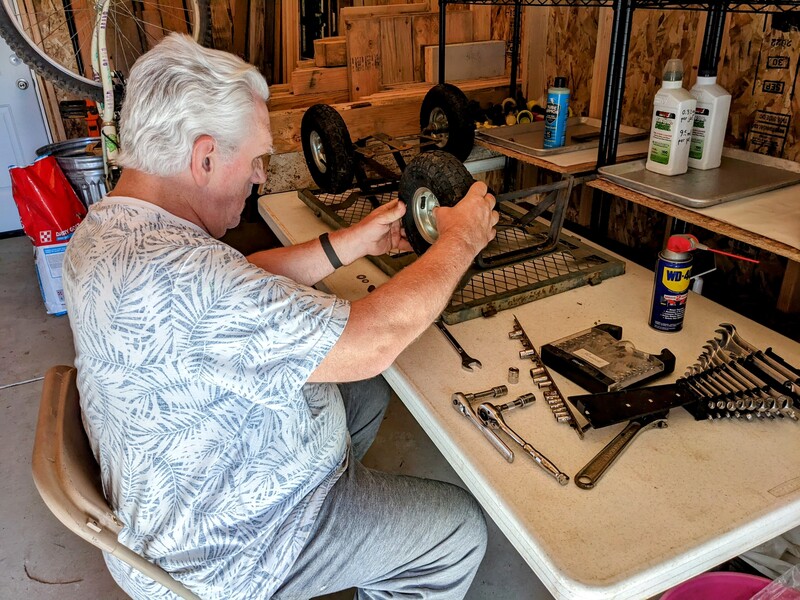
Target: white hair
179, 91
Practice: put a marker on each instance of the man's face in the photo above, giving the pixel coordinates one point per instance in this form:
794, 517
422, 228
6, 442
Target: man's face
236, 176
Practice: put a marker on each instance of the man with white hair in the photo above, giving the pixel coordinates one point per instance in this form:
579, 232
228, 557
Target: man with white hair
228, 402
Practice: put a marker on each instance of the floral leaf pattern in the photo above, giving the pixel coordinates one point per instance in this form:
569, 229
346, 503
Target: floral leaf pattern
192, 366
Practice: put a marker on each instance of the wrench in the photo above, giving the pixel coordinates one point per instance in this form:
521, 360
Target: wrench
589, 475
467, 362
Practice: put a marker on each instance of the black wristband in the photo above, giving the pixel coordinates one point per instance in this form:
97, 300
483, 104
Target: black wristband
329, 251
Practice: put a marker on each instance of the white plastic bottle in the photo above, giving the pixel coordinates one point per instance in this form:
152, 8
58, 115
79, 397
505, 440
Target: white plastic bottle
710, 121
671, 130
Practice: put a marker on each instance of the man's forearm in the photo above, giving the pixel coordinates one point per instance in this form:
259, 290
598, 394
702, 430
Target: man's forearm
307, 263
304, 263
383, 323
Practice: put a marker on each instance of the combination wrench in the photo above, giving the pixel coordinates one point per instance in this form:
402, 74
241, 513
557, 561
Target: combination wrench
467, 362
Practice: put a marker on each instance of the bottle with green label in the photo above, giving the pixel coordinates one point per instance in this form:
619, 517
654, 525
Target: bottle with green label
710, 121
673, 119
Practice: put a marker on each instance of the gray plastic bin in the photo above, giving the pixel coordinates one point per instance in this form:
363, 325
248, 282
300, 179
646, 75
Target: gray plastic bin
83, 170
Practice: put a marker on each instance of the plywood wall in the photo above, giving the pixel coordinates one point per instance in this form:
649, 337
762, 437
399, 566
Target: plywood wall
656, 37
759, 66
571, 41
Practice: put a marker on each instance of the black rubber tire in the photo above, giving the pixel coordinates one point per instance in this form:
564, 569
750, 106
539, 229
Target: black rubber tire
451, 101
441, 173
35, 57
330, 155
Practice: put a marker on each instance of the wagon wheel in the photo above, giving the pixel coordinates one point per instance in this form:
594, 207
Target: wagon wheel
327, 147
432, 179
445, 117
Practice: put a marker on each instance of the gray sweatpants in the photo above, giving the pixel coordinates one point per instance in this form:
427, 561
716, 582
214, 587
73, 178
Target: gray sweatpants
390, 536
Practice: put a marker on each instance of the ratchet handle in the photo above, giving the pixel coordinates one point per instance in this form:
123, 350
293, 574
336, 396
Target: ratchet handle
461, 404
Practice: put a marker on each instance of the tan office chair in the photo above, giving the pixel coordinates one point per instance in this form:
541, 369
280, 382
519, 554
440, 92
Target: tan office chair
68, 477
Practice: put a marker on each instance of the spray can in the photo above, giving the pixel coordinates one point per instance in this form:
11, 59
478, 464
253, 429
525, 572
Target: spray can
555, 118
671, 286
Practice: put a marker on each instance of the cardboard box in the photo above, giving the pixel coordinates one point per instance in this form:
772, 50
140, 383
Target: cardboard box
48, 260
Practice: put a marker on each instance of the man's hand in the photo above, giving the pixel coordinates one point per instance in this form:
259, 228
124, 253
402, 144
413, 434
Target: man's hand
472, 220
380, 231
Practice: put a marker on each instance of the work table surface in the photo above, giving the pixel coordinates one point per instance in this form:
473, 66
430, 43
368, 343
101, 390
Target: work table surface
677, 502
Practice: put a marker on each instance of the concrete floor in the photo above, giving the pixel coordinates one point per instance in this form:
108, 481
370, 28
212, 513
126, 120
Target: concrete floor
40, 558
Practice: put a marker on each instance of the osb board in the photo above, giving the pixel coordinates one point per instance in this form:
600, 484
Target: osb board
397, 59
502, 21
571, 40
636, 226
759, 66
48, 16
656, 36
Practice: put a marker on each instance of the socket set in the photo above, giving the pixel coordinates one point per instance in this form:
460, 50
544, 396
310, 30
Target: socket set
599, 360
736, 380
560, 407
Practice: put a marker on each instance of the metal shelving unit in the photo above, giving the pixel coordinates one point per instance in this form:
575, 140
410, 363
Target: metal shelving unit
618, 52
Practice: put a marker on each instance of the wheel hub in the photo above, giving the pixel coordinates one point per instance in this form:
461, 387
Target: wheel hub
318, 151
422, 205
437, 124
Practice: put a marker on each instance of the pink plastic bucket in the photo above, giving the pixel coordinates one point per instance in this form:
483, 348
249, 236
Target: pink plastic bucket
718, 586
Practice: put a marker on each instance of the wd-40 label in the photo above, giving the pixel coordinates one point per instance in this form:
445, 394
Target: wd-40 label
676, 280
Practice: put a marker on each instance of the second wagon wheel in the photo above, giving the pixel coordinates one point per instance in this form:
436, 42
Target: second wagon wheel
432, 179
445, 117
327, 147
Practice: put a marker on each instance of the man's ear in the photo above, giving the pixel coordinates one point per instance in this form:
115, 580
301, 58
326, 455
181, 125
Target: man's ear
204, 159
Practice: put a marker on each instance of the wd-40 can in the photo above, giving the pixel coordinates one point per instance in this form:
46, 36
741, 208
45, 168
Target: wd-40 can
671, 287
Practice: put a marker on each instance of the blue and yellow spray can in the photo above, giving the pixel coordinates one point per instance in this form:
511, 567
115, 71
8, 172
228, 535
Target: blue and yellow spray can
671, 286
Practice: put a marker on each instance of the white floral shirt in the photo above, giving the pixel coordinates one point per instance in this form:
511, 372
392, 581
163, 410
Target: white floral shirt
192, 366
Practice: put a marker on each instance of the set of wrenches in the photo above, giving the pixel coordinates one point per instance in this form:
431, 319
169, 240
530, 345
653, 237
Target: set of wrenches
735, 379
542, 379
488, 419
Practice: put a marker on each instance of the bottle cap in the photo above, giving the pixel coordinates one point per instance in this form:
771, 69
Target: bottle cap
678, 247
673, 71
560, 82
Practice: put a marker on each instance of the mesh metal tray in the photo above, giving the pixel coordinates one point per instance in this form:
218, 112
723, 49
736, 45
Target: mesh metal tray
570, 265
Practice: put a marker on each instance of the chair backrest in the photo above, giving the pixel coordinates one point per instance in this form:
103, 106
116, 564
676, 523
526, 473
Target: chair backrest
68, 477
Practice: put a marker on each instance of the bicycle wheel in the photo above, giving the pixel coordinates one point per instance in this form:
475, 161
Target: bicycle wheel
54, 37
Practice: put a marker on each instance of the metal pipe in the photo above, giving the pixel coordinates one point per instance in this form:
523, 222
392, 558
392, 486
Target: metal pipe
442, 37
512, 93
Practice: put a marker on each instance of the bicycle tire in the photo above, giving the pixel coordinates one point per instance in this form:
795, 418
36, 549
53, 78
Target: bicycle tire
21, 41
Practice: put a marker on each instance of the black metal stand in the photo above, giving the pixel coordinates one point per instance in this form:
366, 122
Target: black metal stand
618, 57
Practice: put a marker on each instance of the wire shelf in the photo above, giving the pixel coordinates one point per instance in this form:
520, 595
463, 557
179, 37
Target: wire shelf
484, 291
750, 7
